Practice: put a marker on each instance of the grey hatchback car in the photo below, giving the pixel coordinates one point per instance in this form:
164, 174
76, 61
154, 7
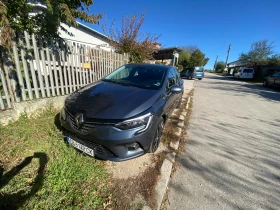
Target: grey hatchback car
122, 116
273, 80
193, 72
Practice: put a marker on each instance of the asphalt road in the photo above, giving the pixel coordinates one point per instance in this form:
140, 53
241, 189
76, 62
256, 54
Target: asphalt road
232, 151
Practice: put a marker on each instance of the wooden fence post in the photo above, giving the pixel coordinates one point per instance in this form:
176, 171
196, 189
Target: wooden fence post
19, 75
6, 92
10, 74
39, 71
31, 64
25, 68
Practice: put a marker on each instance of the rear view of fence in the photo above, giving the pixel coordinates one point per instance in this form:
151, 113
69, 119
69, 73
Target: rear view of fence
38, 68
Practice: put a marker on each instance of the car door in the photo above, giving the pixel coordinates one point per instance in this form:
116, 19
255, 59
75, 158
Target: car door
170, 97
178, 82
277, 80
272, 79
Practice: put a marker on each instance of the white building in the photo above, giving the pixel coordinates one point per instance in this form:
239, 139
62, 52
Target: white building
82, 33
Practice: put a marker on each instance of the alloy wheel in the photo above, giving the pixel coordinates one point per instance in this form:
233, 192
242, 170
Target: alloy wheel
157, 137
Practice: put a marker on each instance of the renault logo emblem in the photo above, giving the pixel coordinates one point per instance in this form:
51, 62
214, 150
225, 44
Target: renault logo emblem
79, 119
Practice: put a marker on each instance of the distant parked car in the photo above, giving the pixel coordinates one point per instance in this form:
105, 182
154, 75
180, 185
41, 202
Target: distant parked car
122, 115
245, 73
273, 80
192, 72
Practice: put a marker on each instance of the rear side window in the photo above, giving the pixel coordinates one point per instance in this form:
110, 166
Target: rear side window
248, 71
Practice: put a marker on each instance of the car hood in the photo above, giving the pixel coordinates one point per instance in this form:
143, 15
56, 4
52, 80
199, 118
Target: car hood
104, 100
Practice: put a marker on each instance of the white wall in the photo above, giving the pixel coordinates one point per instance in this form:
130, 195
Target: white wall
85, 36
82, 33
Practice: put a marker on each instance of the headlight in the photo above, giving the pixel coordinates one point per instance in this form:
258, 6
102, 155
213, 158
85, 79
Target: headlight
63, 114
141, 122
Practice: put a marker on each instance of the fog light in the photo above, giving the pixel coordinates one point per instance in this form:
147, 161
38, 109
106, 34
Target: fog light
132, 146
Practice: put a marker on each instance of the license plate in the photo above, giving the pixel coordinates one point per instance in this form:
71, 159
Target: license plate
82, 148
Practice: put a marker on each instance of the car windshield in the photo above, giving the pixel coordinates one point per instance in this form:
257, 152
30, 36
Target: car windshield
248, 71
199, 69
142, 76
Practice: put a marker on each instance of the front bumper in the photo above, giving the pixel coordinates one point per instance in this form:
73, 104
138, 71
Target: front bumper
109, 142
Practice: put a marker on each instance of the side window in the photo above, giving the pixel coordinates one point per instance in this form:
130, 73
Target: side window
177, 76
171, 79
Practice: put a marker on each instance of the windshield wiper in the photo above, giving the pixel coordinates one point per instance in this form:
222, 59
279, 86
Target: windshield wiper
112, 81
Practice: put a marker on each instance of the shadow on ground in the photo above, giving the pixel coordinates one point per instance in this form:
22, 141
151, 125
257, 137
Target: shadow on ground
18, 198
231, 160
243, 88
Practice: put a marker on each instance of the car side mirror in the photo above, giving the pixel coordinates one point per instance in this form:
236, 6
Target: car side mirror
176, 89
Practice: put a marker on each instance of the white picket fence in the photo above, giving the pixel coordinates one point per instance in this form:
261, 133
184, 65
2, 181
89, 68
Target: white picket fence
40, 68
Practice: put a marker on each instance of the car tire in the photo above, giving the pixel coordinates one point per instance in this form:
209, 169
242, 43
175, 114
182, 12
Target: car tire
265, 83
156, 140
179, 103
200, 78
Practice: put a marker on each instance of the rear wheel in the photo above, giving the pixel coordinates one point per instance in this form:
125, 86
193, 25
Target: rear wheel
156, 140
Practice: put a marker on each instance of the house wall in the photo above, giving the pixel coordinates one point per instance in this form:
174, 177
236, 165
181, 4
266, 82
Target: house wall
85, 36
81, 33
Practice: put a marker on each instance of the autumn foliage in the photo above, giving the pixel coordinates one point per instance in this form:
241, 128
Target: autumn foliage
15, 17
130, 39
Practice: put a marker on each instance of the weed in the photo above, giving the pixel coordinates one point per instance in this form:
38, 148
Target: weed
126, 192
38, 171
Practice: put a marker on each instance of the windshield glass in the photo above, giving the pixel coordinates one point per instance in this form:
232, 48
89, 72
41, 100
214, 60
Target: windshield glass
149, 77
199, 69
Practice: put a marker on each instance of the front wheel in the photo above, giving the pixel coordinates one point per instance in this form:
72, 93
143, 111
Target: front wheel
156, 140
179, 103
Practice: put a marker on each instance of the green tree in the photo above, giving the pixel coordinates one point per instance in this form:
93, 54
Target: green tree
15, 17
220, 66
205, 61
274, 60
129, 38
198, 59
189, 48
180, 67
259, 54
184, 58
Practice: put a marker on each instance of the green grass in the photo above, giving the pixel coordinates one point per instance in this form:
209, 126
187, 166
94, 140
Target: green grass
39, 171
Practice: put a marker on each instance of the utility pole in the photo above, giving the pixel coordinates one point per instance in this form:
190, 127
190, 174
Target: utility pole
228, 54
215, 63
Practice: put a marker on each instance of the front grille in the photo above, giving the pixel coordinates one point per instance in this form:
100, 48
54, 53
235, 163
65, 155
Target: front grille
85, 128
98, 149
